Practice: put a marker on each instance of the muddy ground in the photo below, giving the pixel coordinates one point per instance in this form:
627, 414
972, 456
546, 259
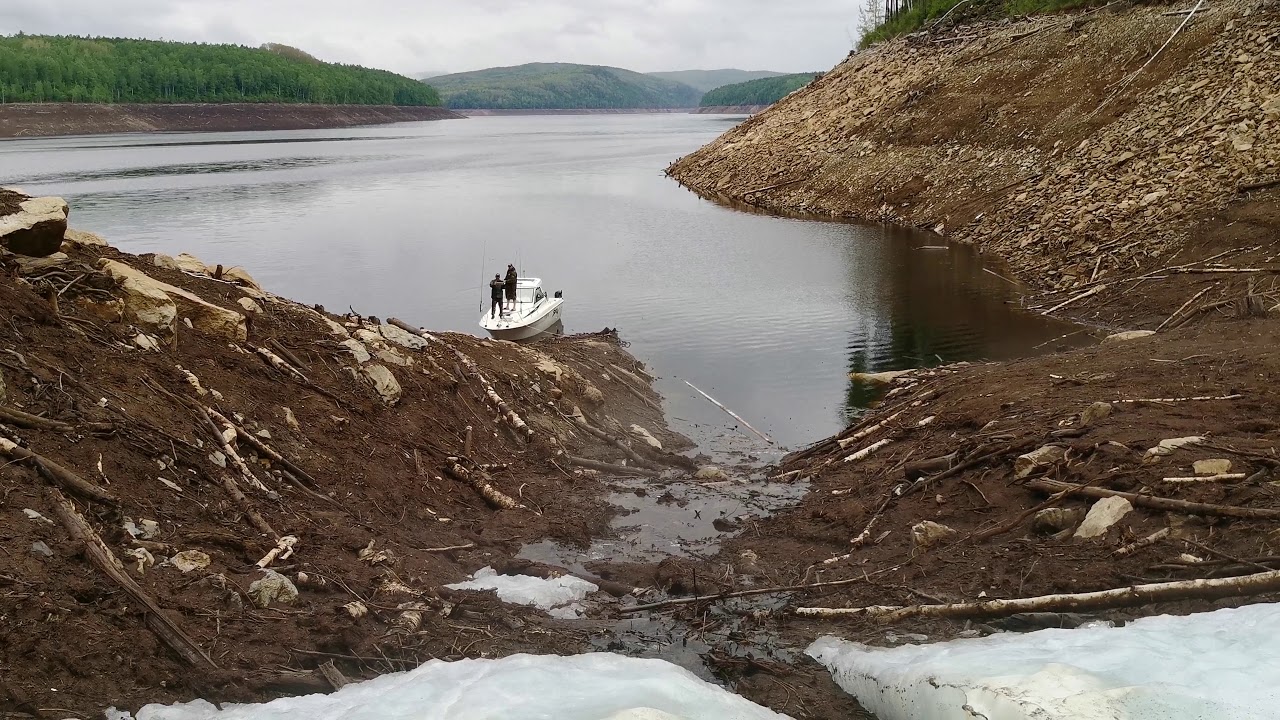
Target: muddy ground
51, 119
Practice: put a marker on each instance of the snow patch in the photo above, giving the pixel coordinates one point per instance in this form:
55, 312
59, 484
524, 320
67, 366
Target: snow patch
559, 596
595, 686
1210, 665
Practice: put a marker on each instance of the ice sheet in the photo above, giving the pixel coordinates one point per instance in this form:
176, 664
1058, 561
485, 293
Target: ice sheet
558, 595
1223, 665
595, 686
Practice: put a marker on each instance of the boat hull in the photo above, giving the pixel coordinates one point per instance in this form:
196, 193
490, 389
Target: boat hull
526, 328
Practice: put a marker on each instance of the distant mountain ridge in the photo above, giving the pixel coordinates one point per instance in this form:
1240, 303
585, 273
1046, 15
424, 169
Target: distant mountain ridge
561, 86
764, 91
707, 80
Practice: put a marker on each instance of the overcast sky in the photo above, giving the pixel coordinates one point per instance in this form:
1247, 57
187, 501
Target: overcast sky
455, 35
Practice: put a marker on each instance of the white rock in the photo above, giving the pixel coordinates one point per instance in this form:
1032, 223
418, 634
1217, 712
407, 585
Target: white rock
239, 276
189, 560
1128, 335
1027, 463
250, 305
290, 420
187, 262
1104, 513
925, 535
146, 342
37, 229
1166, 447
357, 349
384, 382
33, 515
143, 298
710, 472
646, 437
1215, 466
402, 338
166, 262
83, 239
272, 587
1095, 412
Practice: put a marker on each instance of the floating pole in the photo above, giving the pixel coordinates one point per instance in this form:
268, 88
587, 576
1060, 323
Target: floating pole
735, 415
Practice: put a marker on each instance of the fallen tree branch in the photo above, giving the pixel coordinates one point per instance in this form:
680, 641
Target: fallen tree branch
1263, 185
867, 451
1211, 589
626, 449
280, 364
1071, 301
1185, 305
740, 593
255, 519
610, 467
731, 413
1201, 398
479, 480
101, 557
31, 422
286, 354
55, 473
225, 437
1158, 503
1137, 545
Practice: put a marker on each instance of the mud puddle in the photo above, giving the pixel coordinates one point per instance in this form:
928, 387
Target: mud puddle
661, 523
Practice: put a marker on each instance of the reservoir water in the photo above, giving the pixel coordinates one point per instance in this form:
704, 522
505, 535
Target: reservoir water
768, 315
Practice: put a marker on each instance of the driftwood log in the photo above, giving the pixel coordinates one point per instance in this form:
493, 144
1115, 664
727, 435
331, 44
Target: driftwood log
479, 480
610, 467
97, 553
1158, 503
1211, 589
56, 474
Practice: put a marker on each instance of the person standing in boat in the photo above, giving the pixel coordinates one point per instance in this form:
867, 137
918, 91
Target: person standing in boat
496, 286
511, 286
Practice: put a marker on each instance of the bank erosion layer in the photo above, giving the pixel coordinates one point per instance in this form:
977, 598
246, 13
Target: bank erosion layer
49, 119
211, 491
1085, 149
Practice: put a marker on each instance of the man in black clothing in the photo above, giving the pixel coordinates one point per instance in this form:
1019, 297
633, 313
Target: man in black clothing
496, 286
511, 286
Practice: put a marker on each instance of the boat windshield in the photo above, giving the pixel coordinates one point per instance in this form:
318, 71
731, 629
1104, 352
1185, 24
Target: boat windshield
529, 294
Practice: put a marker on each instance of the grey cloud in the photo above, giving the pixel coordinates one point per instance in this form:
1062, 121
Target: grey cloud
458, 35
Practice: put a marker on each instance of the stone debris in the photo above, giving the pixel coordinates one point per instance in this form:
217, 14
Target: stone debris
1102, 515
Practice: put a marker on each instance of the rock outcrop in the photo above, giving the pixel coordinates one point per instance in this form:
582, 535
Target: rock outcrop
31, 226
154, 305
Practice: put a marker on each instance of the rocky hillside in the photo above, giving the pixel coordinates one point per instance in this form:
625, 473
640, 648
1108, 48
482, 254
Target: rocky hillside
209, 490
1085, 149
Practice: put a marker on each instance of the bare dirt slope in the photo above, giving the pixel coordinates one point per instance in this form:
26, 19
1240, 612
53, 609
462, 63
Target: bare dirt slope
1083, 149
346, 444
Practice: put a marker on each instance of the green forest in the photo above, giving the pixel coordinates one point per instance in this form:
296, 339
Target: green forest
707, 80
38, 68
899, 17
765, 91
561, 86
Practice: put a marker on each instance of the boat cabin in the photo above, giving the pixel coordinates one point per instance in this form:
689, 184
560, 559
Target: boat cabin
529, 291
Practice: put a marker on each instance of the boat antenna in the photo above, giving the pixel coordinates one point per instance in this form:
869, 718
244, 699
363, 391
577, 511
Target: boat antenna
483, 252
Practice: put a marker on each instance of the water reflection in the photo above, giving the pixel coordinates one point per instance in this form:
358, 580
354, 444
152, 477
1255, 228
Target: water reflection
766, 314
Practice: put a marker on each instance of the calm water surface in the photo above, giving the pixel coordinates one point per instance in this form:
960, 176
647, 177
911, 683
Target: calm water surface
766, 314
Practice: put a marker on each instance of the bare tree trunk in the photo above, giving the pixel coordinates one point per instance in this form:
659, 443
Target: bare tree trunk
1211, 589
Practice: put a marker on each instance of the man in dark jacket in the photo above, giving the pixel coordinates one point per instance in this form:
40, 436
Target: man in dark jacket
495, 293
511, 286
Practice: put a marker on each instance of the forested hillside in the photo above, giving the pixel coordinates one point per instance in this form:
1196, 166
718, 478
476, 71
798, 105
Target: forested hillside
106, 70
765, 91
561, 86
706, 80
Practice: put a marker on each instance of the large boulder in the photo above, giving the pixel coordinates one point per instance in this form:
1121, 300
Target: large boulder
36, 228
143, 294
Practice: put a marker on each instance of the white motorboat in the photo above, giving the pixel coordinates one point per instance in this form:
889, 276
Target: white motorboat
534, 313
